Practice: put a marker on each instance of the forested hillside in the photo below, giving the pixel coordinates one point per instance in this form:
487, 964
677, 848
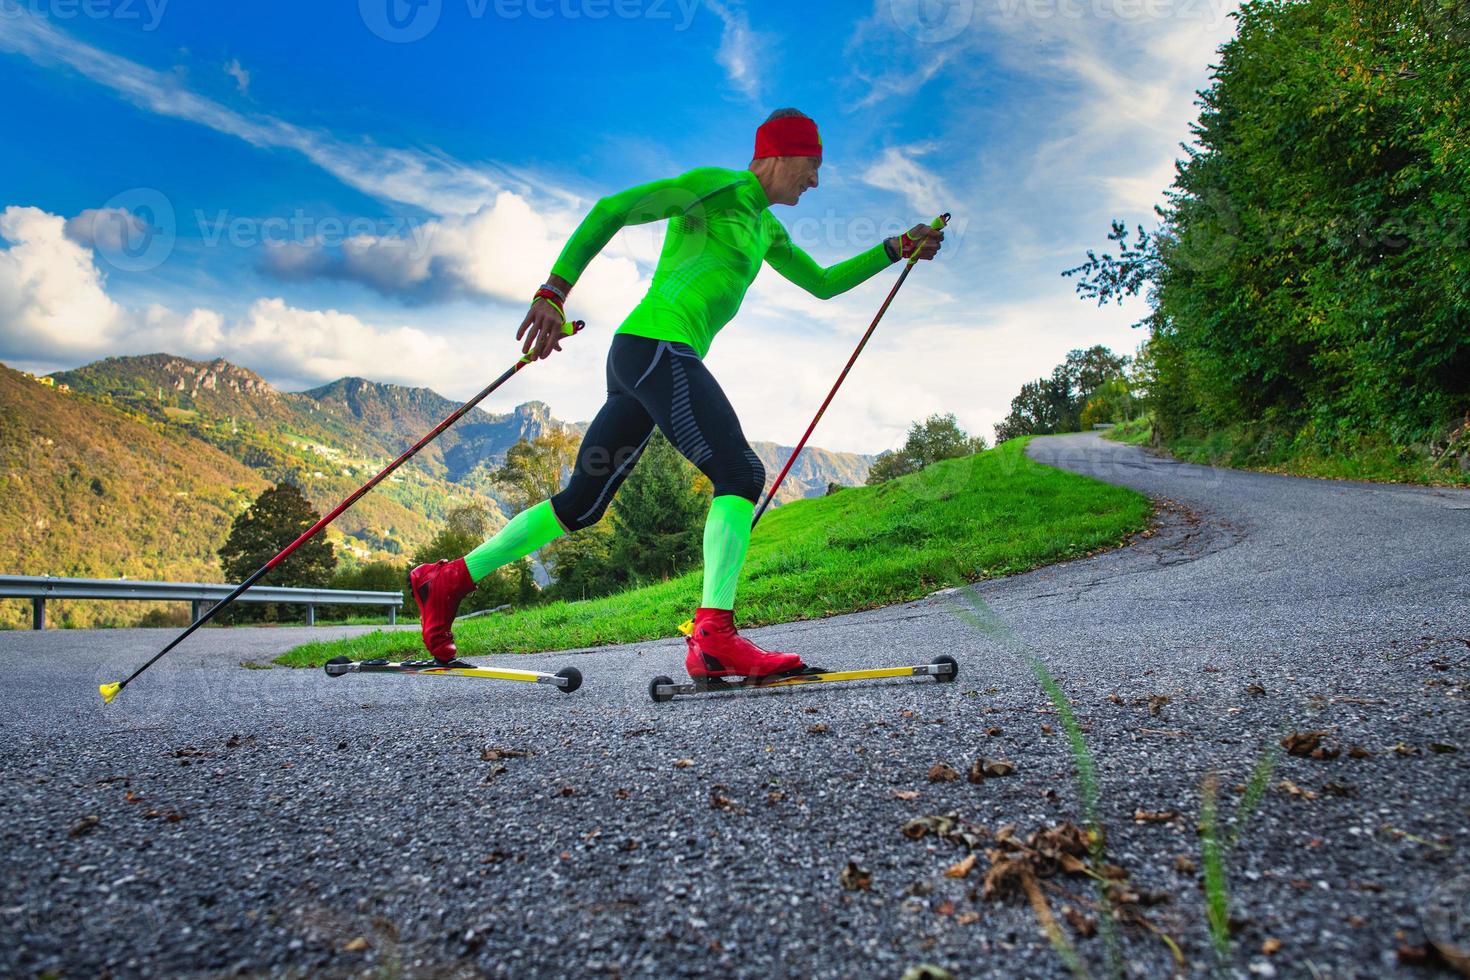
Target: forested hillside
1310, 278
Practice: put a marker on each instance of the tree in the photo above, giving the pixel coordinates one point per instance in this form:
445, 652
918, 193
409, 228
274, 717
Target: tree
1308, 274
535, 470
581, 564
658, 515
936, 438
1055, 403
277, 517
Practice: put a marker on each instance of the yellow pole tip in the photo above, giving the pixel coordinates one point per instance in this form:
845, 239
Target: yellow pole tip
687, 628
109, 691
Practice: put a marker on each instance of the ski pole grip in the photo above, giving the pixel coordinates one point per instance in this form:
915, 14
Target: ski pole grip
940, 221
572, 328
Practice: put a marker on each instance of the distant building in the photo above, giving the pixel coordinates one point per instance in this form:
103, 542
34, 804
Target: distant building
48, 382
63, 387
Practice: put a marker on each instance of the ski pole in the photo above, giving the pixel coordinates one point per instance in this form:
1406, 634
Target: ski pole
110, 691
937, 223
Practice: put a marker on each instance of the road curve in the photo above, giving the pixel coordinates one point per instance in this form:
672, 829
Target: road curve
276, 822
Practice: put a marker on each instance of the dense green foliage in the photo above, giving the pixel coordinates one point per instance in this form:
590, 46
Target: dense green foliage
1057, 403
658, 516
1310, 279
279, 516
936, 438
960, 520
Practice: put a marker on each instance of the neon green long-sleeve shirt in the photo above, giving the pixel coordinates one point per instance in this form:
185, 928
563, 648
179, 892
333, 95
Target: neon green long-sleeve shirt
720, 230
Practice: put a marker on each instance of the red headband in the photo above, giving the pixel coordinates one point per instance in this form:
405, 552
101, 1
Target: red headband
789, 136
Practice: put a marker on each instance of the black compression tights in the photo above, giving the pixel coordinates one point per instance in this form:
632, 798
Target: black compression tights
664, 383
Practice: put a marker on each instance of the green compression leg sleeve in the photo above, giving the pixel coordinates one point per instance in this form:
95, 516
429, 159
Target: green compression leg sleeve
726, 539
526, 532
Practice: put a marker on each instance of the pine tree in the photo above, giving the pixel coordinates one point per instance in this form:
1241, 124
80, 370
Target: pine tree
658, 515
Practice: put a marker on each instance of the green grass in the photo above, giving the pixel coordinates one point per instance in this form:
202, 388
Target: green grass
962, 520
1268, 451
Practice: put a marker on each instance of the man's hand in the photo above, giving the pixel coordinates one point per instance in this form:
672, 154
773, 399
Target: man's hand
923, 239
542, 329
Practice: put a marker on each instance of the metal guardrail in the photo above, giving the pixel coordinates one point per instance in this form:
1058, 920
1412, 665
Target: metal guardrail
39, 588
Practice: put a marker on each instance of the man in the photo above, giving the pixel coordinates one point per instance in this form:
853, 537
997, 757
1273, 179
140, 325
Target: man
720, 230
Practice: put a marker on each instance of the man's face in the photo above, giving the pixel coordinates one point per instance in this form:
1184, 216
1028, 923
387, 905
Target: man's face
796, 175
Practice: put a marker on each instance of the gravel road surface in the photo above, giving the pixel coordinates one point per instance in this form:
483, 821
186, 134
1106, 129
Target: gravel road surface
222, 821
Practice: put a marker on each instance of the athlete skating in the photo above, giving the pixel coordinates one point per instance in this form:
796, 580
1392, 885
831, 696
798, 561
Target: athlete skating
720, 229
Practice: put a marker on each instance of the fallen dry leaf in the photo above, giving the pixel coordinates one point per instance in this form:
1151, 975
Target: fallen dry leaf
1442, 748
1302, 744
1046, 729
683, 763
1255, 690
1185, 865
993, 731
1402, 749
1155, 816
948, 827
492, 755
1288, 786
1358, 752
1271, 946
856, 879
1082, 924
942, 773
817, 729
355, 945
1114, 698
718, 800
962, 867
993, 768
84, 826
775, 796
1156, 703
967, 918
906, 794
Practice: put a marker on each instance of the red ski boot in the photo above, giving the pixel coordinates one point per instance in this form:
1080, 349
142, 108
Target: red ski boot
437, 589
716, 650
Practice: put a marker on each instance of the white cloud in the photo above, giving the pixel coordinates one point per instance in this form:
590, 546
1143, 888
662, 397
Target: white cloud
897, 170
54, 307
740, 52
239, 74
52, 298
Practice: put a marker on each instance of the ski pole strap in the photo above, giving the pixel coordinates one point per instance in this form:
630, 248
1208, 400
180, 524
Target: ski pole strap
568, 327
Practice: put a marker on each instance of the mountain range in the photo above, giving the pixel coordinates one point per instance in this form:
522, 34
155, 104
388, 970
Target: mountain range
136, 466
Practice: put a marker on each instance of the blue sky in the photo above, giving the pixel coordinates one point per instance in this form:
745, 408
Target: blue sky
375, 187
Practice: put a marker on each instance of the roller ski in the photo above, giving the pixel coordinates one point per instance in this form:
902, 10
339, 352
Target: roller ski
719, 659
566, 680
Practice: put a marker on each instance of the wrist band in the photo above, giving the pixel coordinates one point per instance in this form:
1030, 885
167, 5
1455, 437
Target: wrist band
559, 294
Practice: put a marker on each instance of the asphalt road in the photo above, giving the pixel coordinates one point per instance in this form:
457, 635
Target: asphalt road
216, 820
